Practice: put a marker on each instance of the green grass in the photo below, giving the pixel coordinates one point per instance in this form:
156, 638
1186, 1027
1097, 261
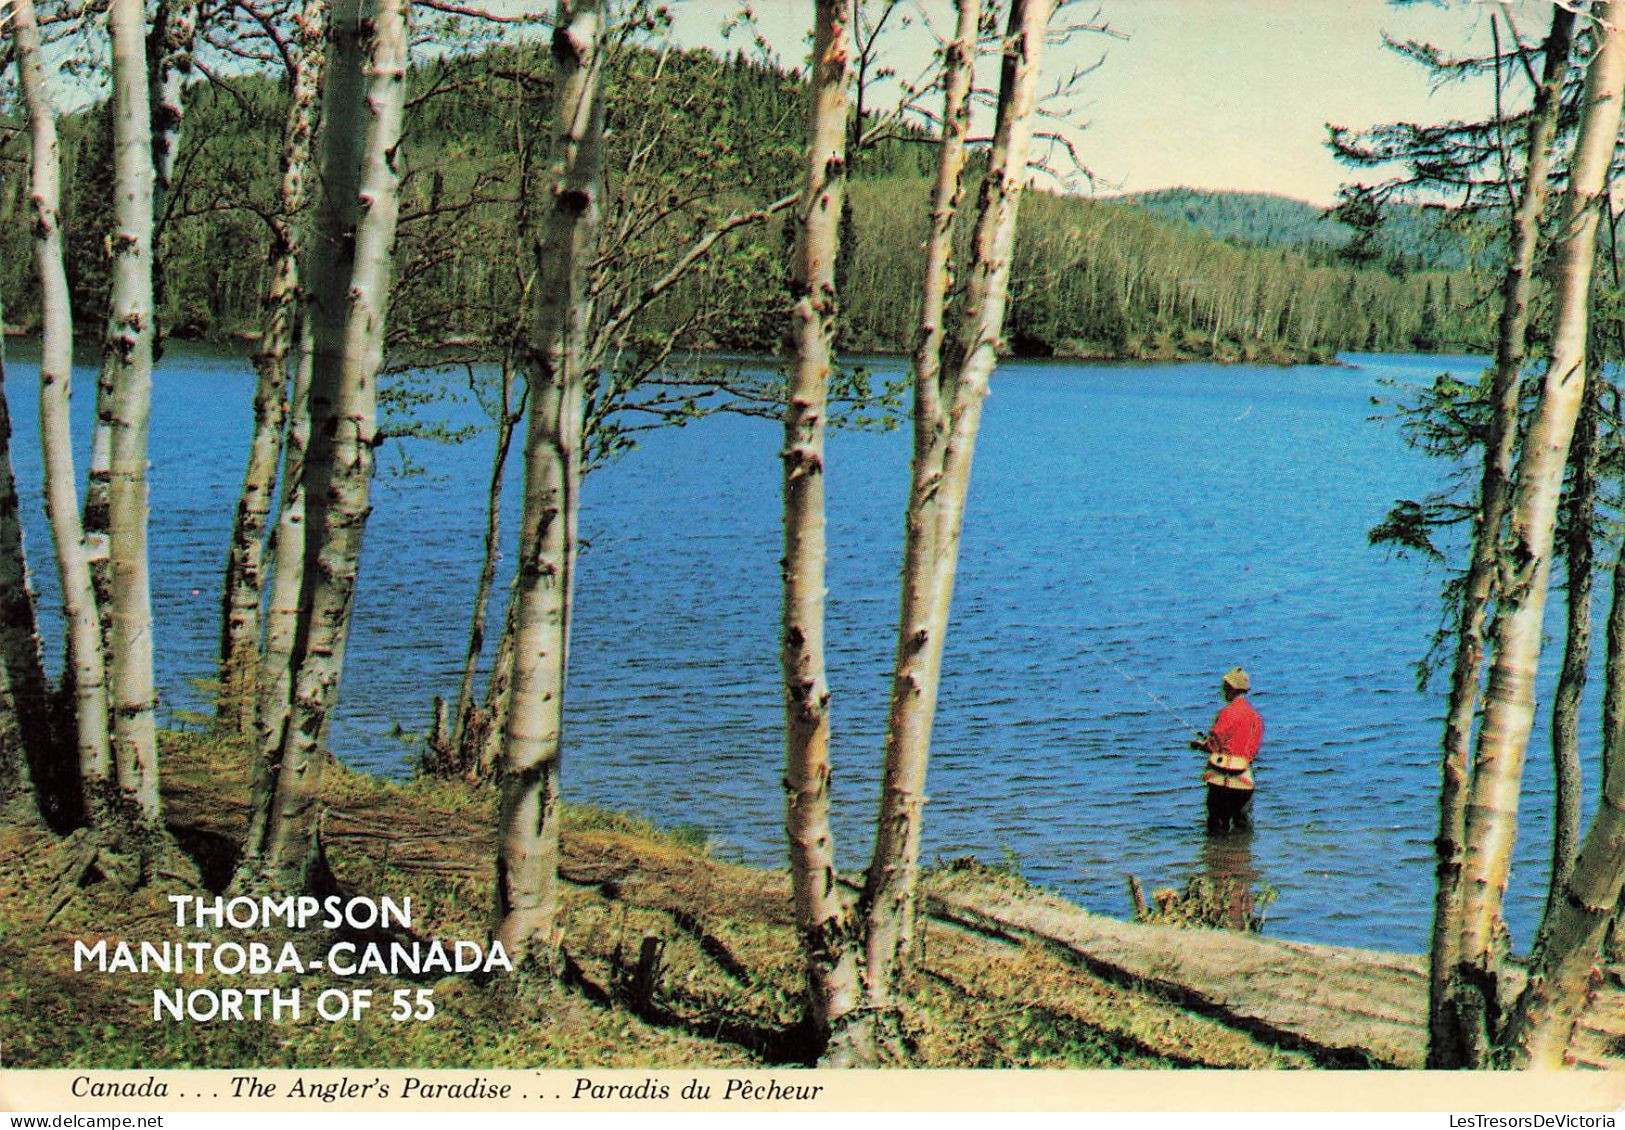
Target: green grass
728, 992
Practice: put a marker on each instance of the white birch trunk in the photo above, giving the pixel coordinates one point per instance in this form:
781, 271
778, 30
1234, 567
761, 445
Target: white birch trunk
528, 834
169, 66
329, 580
889, 891
821, 916
86, 658
129, 405
329, 264
1568, 954
244, 582
1444, 1044
275, 689
1509, 700
962, 388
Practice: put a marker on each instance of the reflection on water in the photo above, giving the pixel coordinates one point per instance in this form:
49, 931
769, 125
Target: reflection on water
1226, 865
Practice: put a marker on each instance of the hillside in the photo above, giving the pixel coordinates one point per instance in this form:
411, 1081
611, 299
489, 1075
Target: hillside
1415, 238
696, 137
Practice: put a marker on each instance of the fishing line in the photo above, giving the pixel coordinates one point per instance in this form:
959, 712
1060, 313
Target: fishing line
1134, 681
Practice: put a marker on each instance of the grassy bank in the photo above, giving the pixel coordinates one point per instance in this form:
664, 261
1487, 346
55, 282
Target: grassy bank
723, 994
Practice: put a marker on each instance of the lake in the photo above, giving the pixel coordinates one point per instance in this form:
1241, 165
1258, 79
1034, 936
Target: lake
1134, 530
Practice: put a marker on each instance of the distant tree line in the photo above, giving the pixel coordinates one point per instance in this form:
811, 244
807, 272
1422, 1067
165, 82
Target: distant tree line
1093, 278
1414, 237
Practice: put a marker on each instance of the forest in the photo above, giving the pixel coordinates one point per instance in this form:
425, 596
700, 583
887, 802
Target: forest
1095, 277
1414, 237
565, 208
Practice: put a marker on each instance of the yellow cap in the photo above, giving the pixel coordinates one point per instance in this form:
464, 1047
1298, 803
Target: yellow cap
1236, 679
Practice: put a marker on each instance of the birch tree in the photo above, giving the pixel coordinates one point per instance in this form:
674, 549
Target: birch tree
282, 606
949, 392
169, 66
126, 414
165, 63
820, 912
889, 891
528, 834
343, 407
1444, 1049
1492, 803
1565, 964
581, 364
244, 583
330, 263
951, 376
86, 658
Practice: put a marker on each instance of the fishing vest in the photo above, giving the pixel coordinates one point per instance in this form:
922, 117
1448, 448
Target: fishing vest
1228, 771
1237, 732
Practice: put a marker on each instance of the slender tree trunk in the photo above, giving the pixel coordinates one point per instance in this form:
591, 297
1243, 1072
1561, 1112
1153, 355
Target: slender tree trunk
282, 607
129, 406
528, 837
98, 507
889, 891
332, 250
1444, 1046
485, 742
169, 66
1509, 701
944, 479
333, 553
168, 58
821, 915
1565, 966
463, 709
1580, 505
244, 584
24, 693
331, 263
86, 658
301, 515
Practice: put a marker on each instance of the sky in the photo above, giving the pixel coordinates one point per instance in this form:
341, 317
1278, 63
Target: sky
1232, 94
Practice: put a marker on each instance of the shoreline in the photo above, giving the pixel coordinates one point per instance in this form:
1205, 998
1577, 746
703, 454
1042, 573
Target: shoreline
244, 340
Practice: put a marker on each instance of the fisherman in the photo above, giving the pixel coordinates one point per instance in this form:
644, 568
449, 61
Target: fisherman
1230, 746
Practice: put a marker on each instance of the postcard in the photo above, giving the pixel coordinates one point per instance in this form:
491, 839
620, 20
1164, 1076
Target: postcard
847, 555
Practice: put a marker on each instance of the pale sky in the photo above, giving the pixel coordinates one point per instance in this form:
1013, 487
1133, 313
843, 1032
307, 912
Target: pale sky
1221, 93
1237, 93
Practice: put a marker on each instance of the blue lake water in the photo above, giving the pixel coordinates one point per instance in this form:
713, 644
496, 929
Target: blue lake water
1134, 530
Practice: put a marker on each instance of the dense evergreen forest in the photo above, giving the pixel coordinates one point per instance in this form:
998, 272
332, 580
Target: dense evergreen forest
1166, 275
1410, 237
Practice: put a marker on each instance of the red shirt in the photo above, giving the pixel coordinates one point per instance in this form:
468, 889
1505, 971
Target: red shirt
1237, 730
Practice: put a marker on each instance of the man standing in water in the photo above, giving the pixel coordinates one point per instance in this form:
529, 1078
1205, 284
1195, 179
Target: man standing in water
1230, 747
